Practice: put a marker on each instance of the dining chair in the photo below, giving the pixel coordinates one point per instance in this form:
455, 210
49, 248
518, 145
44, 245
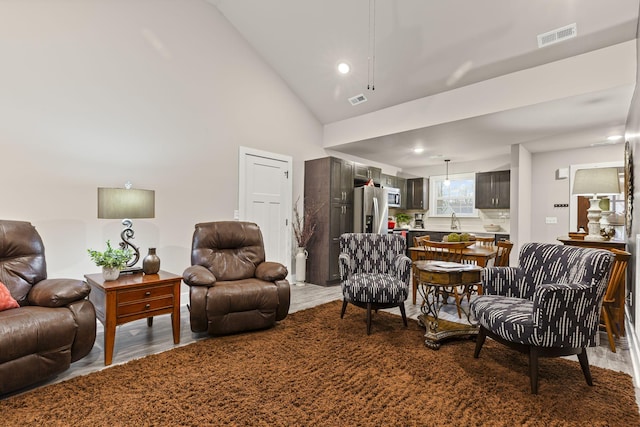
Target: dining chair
482, 242
418, 241
504, 251
485, 241
610, 302
447, 252
501, 260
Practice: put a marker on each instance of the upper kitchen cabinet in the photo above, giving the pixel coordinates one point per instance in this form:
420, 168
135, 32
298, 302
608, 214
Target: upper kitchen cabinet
341, 180
492, 190
402, 185
389, 181
417, 193
364, 173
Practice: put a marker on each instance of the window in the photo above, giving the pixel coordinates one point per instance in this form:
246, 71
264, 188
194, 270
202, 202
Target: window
459, 196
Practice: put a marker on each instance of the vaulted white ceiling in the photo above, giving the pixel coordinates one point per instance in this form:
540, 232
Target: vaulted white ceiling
429, 48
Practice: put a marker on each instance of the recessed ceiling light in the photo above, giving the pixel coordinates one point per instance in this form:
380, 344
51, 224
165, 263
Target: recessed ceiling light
418, 150
614, 137
343, 68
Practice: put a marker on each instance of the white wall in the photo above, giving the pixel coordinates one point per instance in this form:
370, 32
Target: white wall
547, 190
521, 199
158, 92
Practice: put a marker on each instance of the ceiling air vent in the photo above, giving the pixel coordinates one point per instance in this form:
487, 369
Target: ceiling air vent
557, 35
358, 99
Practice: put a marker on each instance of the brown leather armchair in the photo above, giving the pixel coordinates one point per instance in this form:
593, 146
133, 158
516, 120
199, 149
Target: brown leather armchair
231, 287
55, 323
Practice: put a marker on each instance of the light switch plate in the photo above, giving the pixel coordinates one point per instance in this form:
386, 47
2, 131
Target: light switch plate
551, 220
562, 173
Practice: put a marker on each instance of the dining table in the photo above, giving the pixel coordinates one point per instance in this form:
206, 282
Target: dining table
474, 254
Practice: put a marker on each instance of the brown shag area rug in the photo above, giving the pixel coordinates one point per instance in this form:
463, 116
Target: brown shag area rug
314, 369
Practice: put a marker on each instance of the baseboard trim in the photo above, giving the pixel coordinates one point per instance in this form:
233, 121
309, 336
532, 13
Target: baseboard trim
634, 348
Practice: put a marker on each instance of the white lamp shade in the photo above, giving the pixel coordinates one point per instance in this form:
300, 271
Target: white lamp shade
119, 203
596, 181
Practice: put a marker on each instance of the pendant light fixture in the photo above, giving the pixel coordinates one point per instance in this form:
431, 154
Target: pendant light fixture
446, 180
371, 73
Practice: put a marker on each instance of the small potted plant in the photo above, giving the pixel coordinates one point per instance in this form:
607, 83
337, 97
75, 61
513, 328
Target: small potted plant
403, 219
112, 260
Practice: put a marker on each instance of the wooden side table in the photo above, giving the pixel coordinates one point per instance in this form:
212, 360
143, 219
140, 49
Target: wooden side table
133, 297
433, 278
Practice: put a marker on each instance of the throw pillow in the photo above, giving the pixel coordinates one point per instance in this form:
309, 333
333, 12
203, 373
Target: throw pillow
6, 300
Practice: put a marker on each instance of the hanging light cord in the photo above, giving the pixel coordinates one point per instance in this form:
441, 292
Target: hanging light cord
371, 72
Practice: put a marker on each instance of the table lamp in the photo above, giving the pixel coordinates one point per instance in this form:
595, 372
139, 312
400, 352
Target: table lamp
593, 182
127, 203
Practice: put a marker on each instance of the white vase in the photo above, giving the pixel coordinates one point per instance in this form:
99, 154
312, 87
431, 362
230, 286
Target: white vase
301, 265
110, 273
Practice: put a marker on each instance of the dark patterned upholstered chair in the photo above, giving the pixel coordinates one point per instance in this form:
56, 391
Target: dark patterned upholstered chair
548, 306
374, 271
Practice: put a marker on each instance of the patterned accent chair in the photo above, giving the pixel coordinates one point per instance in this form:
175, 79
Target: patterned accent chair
548, 306
374, 271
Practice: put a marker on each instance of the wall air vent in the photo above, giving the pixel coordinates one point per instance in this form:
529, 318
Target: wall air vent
557, 35
358, 99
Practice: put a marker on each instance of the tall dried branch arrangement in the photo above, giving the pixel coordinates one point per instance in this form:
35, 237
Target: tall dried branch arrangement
305, 225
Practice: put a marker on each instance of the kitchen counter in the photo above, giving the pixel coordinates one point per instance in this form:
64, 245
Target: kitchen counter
436, 230
438, 235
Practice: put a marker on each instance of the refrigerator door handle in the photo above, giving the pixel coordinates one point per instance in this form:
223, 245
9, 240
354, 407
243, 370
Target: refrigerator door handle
376, 217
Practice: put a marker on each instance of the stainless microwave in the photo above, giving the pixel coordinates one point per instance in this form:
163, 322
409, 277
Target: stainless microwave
393, 196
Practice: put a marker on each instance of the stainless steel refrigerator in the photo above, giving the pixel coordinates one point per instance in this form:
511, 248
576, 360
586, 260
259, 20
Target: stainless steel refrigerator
370, 210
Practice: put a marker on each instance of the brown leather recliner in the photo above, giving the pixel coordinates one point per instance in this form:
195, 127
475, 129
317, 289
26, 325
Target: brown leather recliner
55, 323
231, 287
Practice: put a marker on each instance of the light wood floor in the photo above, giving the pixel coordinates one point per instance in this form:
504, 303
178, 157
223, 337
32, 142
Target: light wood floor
135, 339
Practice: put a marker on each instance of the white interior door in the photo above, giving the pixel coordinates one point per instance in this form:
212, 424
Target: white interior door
265, 198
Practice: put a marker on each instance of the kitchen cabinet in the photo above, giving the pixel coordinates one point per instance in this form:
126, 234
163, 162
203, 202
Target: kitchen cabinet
402, 185
417, 193
389, 181
328, 184
341, 218
493, 190
340, 181
364, 173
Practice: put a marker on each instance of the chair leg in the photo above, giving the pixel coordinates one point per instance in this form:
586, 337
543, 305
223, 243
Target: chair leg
608, 327
533, 369
456, 296
404, 314
584, 364
415, 290
482, 335
612, 320
368, 318
344, 308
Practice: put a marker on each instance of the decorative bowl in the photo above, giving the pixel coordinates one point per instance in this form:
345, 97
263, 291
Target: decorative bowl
491, 227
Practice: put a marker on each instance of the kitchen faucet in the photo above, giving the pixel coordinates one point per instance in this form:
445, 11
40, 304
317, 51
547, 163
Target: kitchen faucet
455, 222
